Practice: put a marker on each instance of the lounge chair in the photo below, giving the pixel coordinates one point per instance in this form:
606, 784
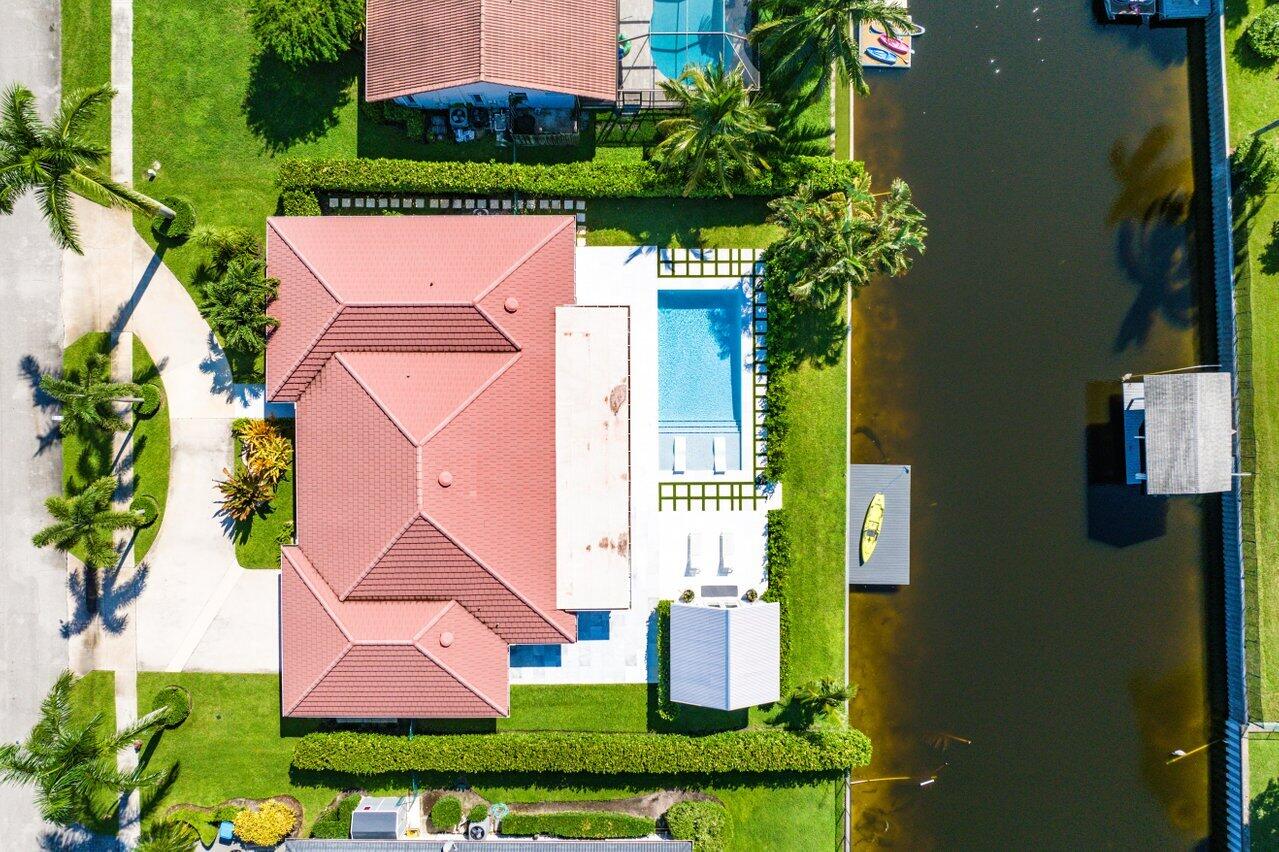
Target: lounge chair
719, 448
681, 454
727, 552
695, 547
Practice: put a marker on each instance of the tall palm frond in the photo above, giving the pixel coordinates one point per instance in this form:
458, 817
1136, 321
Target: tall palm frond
87, 397
86, 520
719, 133
805, 41
57, 160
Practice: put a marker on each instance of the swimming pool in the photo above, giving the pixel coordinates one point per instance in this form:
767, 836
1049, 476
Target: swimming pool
694, 34
699, 359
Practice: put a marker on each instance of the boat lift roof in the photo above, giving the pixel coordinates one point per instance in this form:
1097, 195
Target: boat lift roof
889, 565
1188, 441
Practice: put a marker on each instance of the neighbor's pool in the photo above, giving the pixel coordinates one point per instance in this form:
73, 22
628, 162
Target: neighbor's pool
699, 358
693, 31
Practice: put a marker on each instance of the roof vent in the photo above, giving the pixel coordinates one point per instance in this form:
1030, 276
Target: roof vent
511, 304
445, 479
446, 639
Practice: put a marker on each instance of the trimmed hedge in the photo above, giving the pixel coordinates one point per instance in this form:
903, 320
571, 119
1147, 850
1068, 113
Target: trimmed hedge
1263, 33
174, 700
181, 225
334, 823
446, 813
665, 709
574, 824
147, 507
478, 813
300, 180
777, 559
151, 399
746, 751
705, 823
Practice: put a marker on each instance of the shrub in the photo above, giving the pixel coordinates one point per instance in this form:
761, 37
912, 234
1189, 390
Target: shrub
243, 492
334, 822
235, 304
1263, 33
705, 823
686, 596
446, 813
776, 424
145, 506
1254, 164
302, 32
744, 751
267, 826
777, 561
477, 813
300, 180
167, 836
573, 824
176, 702
203, 822
225, 245
665, 709
268, 454
150, 403
180, 226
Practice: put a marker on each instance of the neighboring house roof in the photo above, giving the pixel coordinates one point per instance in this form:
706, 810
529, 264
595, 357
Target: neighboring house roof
1189, 433
725, 658
425, 461
565, 46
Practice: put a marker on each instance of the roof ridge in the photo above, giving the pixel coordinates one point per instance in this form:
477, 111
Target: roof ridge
381, 553
376, 401
524, 258
462, 406
497, 576
341, 306
447, 669
350, 643
333, 616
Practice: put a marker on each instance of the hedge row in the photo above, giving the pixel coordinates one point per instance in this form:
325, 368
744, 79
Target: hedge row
747, 751
300, 180
777, 558
334, 822
705, 823
665, 708
573, 824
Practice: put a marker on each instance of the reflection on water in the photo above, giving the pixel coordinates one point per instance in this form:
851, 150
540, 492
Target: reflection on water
1050, 650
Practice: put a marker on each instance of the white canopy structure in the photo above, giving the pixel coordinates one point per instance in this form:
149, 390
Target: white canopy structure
1189, 429
725, 658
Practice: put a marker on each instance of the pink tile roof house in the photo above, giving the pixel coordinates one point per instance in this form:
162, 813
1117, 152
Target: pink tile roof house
487, 48
420, 354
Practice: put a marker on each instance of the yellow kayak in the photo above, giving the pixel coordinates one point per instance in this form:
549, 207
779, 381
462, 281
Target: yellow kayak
870, 527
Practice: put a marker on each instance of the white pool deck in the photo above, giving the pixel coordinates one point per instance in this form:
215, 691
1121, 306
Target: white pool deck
626, 277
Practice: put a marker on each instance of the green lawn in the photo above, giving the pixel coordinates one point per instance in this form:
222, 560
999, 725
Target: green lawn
257, 540
1263, 785
1254, 91
235, 744
94, 694
86, 53
88, 457
686, 222
1254, 103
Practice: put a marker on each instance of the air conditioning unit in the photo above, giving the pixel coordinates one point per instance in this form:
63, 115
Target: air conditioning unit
477, 831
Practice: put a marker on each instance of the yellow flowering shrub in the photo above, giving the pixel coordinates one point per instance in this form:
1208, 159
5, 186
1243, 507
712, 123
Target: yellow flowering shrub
266, 826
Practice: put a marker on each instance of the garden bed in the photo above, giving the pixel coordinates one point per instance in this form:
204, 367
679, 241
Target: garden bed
88, 457
258, 540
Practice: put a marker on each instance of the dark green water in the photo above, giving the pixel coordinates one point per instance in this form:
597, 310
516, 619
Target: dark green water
1054, 619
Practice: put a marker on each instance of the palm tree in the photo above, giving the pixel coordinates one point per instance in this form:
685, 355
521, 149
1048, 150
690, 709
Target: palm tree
57, 159
807, 39
720, 131
87, 396
86, 519
235, 304
843, 239
823, 699
166, 836
73, 766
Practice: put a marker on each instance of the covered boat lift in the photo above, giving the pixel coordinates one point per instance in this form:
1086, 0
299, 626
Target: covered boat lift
1179, 433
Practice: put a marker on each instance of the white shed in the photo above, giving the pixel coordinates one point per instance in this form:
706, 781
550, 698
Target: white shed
727, 657
379, 818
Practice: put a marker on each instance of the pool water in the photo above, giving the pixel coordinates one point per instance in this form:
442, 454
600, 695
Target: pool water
699, 24
699, 359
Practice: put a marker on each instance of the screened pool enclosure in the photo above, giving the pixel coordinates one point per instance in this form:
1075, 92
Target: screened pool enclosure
658, 39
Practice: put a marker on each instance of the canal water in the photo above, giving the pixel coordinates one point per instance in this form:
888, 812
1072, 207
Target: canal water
1050, 650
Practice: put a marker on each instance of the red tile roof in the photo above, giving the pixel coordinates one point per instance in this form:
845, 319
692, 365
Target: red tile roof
394, 398
567, 46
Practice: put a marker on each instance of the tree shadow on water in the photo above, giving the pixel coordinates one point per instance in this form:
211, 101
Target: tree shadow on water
284, 106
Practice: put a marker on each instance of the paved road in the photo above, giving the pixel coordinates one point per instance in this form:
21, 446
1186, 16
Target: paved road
32, 583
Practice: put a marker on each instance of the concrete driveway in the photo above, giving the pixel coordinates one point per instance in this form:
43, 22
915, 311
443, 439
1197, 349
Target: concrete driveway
33, 595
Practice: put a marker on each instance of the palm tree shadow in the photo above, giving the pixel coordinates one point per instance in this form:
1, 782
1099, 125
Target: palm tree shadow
31, 372
116, 597
1154, 233
284, 106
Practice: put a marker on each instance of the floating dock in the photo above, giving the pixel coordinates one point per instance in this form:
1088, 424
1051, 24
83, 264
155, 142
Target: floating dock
867, 38
889, 565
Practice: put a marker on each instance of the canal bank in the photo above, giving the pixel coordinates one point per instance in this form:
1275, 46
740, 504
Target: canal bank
1057, 621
